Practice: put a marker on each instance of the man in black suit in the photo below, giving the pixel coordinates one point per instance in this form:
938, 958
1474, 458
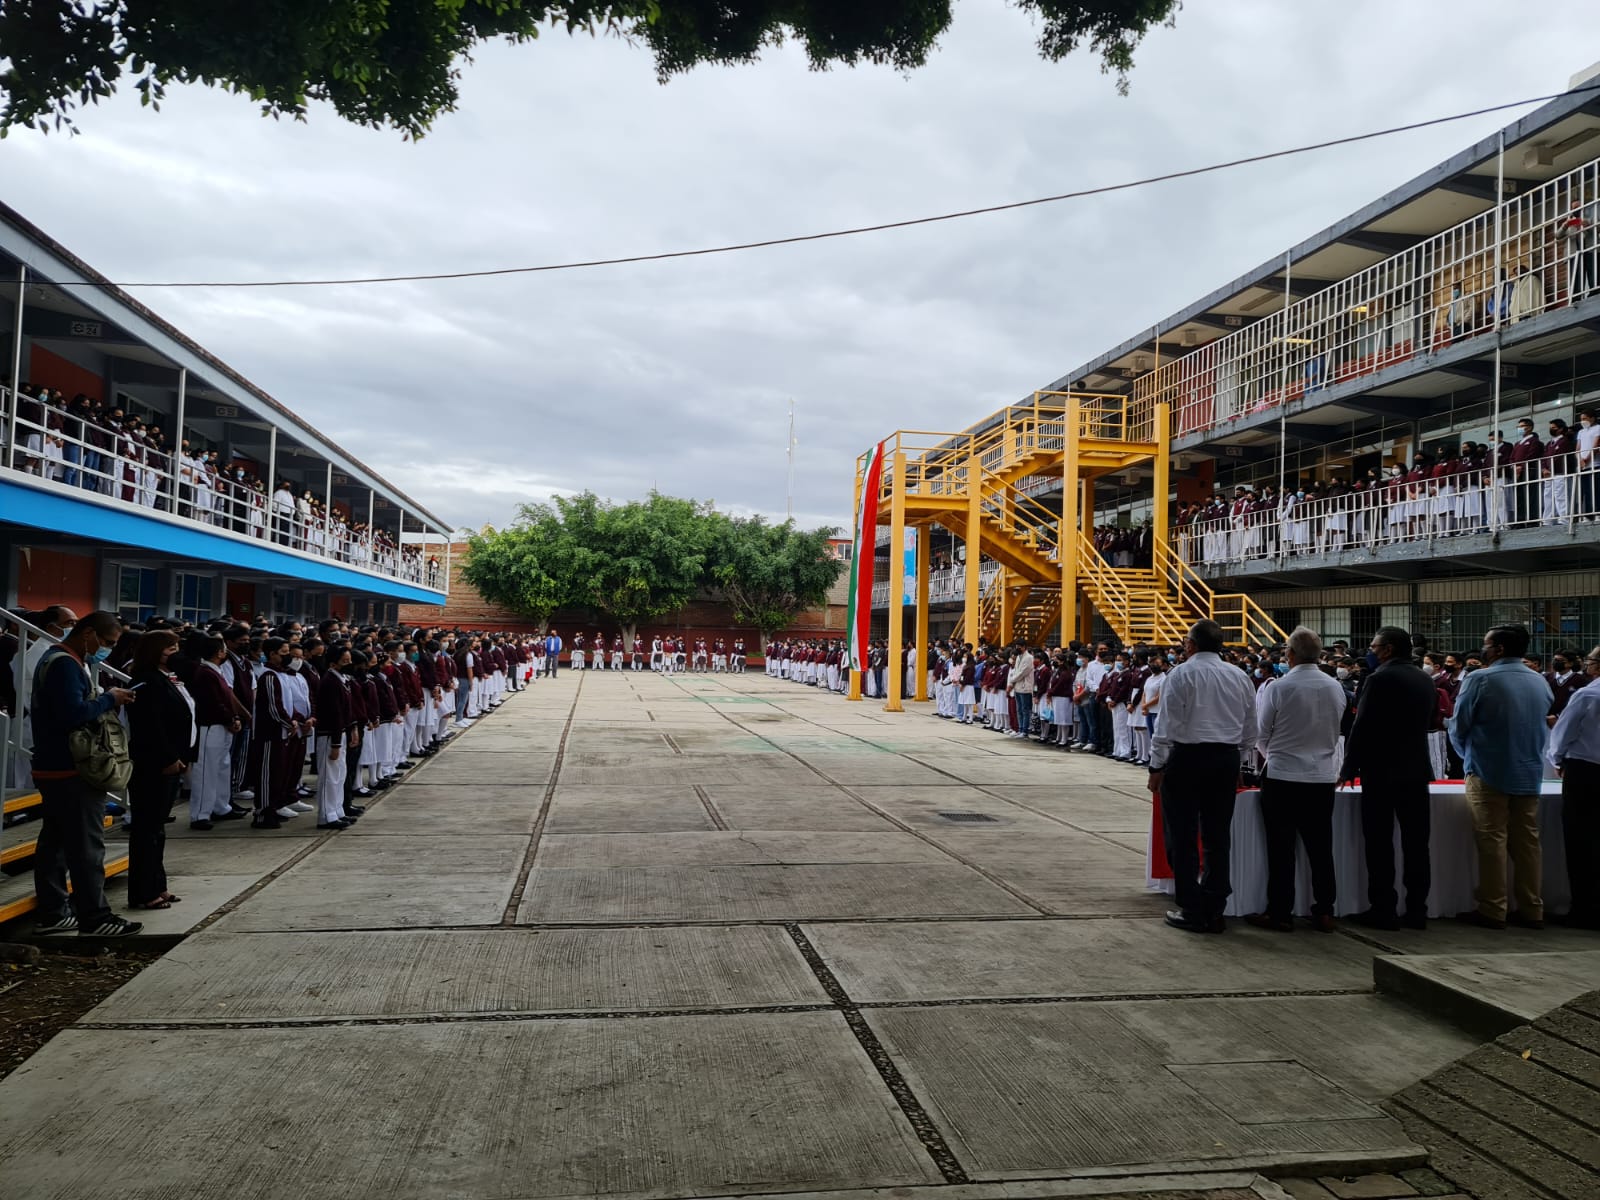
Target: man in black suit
1387, 749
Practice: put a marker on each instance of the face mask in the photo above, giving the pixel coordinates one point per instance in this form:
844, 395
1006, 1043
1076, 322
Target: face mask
1260, 673
1372, 661
1080, 662
1585, 424
414, 656
261, 660
1431, 670
294, 664
66, 632
100, 655
1343, 672
1119, 666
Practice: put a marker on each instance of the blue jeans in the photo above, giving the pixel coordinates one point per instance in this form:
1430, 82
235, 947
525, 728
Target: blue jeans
73, 454
1024, 711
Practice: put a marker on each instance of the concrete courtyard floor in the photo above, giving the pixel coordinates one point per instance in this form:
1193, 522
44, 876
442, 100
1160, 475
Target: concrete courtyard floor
642, 937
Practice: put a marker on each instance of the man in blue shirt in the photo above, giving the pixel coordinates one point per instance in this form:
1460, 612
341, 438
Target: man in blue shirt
552, 653
1499, 729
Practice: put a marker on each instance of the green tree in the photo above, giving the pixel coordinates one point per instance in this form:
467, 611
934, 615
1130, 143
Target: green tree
397, 63
769, 574
638, 561
528, 568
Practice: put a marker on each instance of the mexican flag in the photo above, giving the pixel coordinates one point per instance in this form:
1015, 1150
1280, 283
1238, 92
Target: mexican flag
861, 559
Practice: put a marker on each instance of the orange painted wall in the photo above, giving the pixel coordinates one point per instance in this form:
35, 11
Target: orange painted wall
51, 577
45, 367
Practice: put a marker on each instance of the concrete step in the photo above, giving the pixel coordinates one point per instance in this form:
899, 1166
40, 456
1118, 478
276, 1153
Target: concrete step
1488, 994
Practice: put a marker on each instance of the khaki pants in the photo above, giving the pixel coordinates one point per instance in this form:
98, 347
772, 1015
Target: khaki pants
1496, 820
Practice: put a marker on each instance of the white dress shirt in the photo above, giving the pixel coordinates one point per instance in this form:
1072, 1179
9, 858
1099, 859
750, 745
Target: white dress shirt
1297, 725
1153, 688
1092, 675
1204, 701
1577, 731
1587, 440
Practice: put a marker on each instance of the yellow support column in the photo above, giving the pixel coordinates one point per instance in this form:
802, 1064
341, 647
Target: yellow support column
1162, 473
1067, 534
974, 599
924, 647
1007, 608
897, 576
855, 676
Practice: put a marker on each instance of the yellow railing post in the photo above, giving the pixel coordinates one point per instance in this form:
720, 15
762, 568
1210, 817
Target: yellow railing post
924, 655
1067, 530
972, 620
1163, 482
897, 582
1003, 634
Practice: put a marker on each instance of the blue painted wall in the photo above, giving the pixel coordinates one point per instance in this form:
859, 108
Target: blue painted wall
43, 508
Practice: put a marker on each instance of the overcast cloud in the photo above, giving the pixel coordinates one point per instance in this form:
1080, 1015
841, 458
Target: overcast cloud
473, 396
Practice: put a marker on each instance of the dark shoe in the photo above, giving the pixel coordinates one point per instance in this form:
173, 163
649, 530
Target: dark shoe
335, 825
1180, 920
233, 814
354, 810
1415, 920
1264, 921
63, 924
1323, 923
203, 826
1522, 922
1473, 917
363, 792
1376, 920
266, 823
1574, 920
110, 925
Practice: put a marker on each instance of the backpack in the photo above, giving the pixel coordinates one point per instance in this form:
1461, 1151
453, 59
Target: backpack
99, 749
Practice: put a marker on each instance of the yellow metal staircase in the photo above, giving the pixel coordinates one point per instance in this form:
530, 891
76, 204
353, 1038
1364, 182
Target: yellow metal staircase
971, 484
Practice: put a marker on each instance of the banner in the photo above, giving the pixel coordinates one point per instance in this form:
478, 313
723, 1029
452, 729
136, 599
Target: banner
861, 559
908, 574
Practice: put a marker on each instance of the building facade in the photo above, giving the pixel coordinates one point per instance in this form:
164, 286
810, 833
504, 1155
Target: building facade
139, 473
1347, 421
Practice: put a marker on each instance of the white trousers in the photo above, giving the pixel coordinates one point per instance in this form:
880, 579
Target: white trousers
1122, 742
211, 783
330, 779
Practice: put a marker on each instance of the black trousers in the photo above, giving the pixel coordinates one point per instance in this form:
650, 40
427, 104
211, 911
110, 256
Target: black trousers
1197, 795
1580, 827
1303, 810
71, 844
150, 801
1382, 804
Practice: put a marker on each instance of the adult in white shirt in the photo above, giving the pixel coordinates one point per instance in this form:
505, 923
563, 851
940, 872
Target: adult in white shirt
1297, 733
1575, 750
1089, 707
1208, 722
282, 514
1588, 442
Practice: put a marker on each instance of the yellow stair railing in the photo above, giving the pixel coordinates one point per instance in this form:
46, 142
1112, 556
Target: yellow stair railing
1243, 621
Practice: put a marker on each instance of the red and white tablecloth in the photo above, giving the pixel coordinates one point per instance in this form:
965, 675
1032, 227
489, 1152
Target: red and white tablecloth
1453, 853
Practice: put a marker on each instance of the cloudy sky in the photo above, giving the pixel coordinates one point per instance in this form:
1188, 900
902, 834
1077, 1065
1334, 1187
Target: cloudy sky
475, 395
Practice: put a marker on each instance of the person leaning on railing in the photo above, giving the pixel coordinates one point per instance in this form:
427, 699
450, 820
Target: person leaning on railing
71, 842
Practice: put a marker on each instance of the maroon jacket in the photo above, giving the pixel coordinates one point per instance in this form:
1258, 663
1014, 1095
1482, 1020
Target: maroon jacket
213, 703
335, 706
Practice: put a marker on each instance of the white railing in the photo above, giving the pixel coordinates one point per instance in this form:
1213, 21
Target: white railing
1397, 512
125, 470
1538, 251
944, 587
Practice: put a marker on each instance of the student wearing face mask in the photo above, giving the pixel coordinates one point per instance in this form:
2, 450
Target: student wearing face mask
1564, 682
71, 842
1525, 456
1555, 471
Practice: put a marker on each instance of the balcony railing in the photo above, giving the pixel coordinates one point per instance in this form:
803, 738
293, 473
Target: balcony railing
1536, 252
944, 587
129, 473
1421, 515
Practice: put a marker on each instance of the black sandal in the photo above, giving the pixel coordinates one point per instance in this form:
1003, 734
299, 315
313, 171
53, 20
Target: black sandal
153, 905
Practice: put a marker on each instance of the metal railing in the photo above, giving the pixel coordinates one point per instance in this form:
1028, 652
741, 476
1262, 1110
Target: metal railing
16, 750
1397, 513
944, 586
1538, 251
116, 469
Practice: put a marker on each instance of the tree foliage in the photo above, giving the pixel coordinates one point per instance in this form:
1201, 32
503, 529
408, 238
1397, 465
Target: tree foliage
640, 561
770, 573
397, 63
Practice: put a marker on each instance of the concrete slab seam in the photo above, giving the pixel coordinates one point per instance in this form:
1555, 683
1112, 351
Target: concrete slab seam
711, 809
932, 1138
536, 830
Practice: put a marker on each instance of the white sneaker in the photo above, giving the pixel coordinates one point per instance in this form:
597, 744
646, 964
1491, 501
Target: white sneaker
246, 794
286, 812
303, 807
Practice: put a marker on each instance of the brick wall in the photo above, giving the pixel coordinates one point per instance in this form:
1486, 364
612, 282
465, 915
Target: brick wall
707, 618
